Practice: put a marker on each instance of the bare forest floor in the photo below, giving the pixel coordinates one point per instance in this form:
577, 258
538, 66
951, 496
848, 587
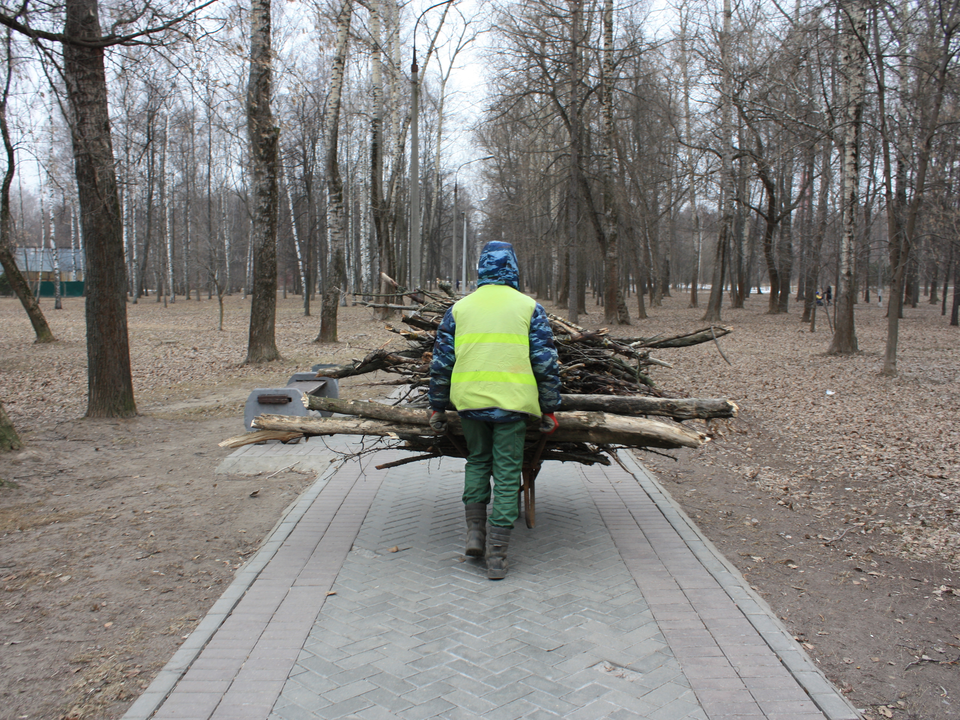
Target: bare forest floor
835, 492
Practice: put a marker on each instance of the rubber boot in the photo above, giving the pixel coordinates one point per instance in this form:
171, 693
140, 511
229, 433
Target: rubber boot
498, 538
476, 528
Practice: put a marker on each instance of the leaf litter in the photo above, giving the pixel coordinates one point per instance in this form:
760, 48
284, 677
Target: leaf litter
834, 492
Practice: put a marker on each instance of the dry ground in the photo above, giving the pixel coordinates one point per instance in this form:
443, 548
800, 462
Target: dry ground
834, 493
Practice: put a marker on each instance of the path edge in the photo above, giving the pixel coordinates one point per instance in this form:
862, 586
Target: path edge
153, 697
757, 611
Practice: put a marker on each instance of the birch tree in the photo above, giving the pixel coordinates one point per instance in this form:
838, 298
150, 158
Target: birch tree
690, 157
336, 230
378, 204
727, 179
853, 81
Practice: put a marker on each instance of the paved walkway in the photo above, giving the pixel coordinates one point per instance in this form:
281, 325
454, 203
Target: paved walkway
361, 605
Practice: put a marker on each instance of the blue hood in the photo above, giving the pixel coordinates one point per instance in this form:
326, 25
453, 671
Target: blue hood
498, 265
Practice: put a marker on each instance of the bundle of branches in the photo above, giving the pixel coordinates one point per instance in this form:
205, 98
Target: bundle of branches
591, 362
606, 394
583, 436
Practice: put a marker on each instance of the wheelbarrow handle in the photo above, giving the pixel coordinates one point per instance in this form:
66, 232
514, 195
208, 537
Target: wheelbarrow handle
538, 451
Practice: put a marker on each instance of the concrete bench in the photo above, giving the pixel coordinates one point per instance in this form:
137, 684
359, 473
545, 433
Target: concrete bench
289, 400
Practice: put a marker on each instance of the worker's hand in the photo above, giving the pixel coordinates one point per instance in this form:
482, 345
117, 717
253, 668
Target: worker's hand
548, 423
438, 421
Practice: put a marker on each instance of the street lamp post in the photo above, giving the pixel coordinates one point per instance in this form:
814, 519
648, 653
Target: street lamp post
453, 242
415, 228
415, 170
453, 264
464, 267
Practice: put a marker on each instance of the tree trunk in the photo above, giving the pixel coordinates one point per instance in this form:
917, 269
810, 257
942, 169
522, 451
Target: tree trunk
52, 237
9, 440
819, 232
17, 282
381, 224
336, 277
110, 382
955, 307
574, 131
191, 172
264, 138
21, 287
678, 409
140, 283
853, 70
929, 121
614, 305
691, 164
769, 230
593, 427
785, 246
301, 255
715, 302
166, 203
712, 313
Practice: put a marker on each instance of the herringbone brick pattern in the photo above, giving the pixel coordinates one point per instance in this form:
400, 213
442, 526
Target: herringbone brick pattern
415, 630
361, 605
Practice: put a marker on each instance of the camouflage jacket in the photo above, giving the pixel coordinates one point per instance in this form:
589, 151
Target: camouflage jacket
498, 266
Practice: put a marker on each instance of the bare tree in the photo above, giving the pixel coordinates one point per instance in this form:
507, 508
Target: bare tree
110, 384
110, 381
852, 72
17, 282
614, 306
727, 178
932, 62
690, 158
264, 142
337, 277
381, 223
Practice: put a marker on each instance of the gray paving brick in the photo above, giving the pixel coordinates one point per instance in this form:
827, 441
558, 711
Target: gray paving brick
316, 665
395, 667
585, 694
387, 699
594, 711
540, 714
352, 674
304, 695
549, 701
685, 708
436, 707
347, 707
292, 711
374, 712
613, 572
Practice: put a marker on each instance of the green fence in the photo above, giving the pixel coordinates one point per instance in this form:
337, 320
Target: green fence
69, 289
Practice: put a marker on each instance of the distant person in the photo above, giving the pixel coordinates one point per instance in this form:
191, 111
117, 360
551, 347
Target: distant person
829, 295
819, 297
879, 297
494, 361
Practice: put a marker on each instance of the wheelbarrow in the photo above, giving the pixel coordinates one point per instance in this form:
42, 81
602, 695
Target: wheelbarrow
527, 497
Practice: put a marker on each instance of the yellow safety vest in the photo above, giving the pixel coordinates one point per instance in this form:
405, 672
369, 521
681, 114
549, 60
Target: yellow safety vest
492, 346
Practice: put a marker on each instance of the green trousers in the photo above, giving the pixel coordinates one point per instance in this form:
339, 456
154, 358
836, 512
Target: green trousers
495, 449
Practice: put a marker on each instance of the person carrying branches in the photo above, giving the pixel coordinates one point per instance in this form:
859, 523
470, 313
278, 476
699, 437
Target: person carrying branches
495, 362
